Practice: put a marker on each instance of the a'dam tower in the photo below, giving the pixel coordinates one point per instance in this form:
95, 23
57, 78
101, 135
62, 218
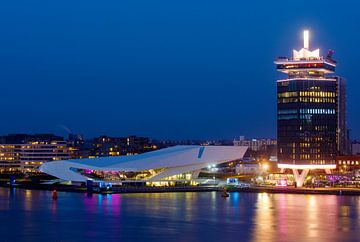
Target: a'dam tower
311, 118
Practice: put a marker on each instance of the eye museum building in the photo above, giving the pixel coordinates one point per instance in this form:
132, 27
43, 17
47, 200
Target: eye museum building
166, 166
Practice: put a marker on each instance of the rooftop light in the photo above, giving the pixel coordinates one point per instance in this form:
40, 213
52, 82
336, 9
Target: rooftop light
306, 39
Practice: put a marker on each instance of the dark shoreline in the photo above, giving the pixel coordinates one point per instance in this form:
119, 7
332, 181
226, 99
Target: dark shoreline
257, 189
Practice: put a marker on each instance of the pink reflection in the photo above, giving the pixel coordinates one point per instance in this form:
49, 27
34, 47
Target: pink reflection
105, 205
98, 203
115, 203
282, 214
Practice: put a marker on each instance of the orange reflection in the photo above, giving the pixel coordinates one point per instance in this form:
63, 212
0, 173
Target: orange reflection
286, 217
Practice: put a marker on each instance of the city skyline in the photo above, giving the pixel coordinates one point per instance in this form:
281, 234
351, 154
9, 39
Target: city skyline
179, 120
161, 70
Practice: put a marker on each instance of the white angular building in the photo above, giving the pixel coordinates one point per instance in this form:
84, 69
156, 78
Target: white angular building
178, 163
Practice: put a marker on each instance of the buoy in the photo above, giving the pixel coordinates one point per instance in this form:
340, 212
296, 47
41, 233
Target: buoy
54, 195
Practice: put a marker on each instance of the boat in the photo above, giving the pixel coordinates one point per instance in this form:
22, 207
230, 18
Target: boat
224, 193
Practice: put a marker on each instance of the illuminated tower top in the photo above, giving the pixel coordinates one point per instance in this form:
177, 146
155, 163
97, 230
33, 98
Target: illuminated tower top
306, 62
305, 53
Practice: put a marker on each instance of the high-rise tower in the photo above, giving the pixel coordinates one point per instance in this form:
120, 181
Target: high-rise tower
311, 112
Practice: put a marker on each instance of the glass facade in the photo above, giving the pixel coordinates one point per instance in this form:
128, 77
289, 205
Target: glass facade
307, 120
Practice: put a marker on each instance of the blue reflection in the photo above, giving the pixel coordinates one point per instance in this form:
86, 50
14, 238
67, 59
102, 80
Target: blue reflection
12, 192
100, 198
235, 197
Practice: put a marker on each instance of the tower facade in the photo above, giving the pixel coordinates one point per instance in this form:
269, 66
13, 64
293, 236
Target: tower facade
311, 116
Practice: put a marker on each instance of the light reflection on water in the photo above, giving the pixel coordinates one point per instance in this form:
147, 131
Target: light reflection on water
287, 217
33, 216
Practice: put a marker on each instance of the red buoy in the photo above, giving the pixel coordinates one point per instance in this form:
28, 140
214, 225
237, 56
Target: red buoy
54, 195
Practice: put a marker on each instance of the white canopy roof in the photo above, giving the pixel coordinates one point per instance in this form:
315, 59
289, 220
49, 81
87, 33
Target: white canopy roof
175, 160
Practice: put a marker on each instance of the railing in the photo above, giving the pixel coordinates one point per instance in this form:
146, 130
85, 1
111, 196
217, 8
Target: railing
282, 58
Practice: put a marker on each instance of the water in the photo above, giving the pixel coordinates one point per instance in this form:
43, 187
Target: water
27, 215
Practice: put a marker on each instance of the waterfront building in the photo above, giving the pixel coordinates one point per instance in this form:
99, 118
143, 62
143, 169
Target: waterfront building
311, 115
9, 158
34, 154
173, 165
25, 153
348, 163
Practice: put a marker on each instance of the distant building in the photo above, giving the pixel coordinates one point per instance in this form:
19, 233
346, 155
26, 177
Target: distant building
79, 147
25, 153
76, 139
168, 143
255, 144
355, 148
259, 151
248, 169
116, 146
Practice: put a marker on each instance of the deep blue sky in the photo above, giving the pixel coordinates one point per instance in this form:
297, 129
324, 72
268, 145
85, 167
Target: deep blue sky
164, 69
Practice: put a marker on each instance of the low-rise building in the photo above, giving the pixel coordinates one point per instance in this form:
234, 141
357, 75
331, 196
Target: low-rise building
33, 154
25, 153
348, 163
9, 157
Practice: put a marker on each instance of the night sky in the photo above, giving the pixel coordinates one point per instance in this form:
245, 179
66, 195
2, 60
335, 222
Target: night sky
165, 69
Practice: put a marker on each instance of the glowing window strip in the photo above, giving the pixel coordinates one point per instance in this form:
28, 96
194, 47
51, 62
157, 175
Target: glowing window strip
291, 166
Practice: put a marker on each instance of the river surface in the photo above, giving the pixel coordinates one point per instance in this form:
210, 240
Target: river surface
28, 215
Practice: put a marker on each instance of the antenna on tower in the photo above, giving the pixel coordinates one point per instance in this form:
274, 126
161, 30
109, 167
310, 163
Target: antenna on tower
306, 39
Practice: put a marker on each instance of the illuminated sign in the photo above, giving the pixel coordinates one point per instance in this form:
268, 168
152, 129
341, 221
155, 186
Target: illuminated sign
232, 181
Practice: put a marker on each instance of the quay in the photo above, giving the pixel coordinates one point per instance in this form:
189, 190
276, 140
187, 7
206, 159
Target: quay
252, 189
115, 189
292, 190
